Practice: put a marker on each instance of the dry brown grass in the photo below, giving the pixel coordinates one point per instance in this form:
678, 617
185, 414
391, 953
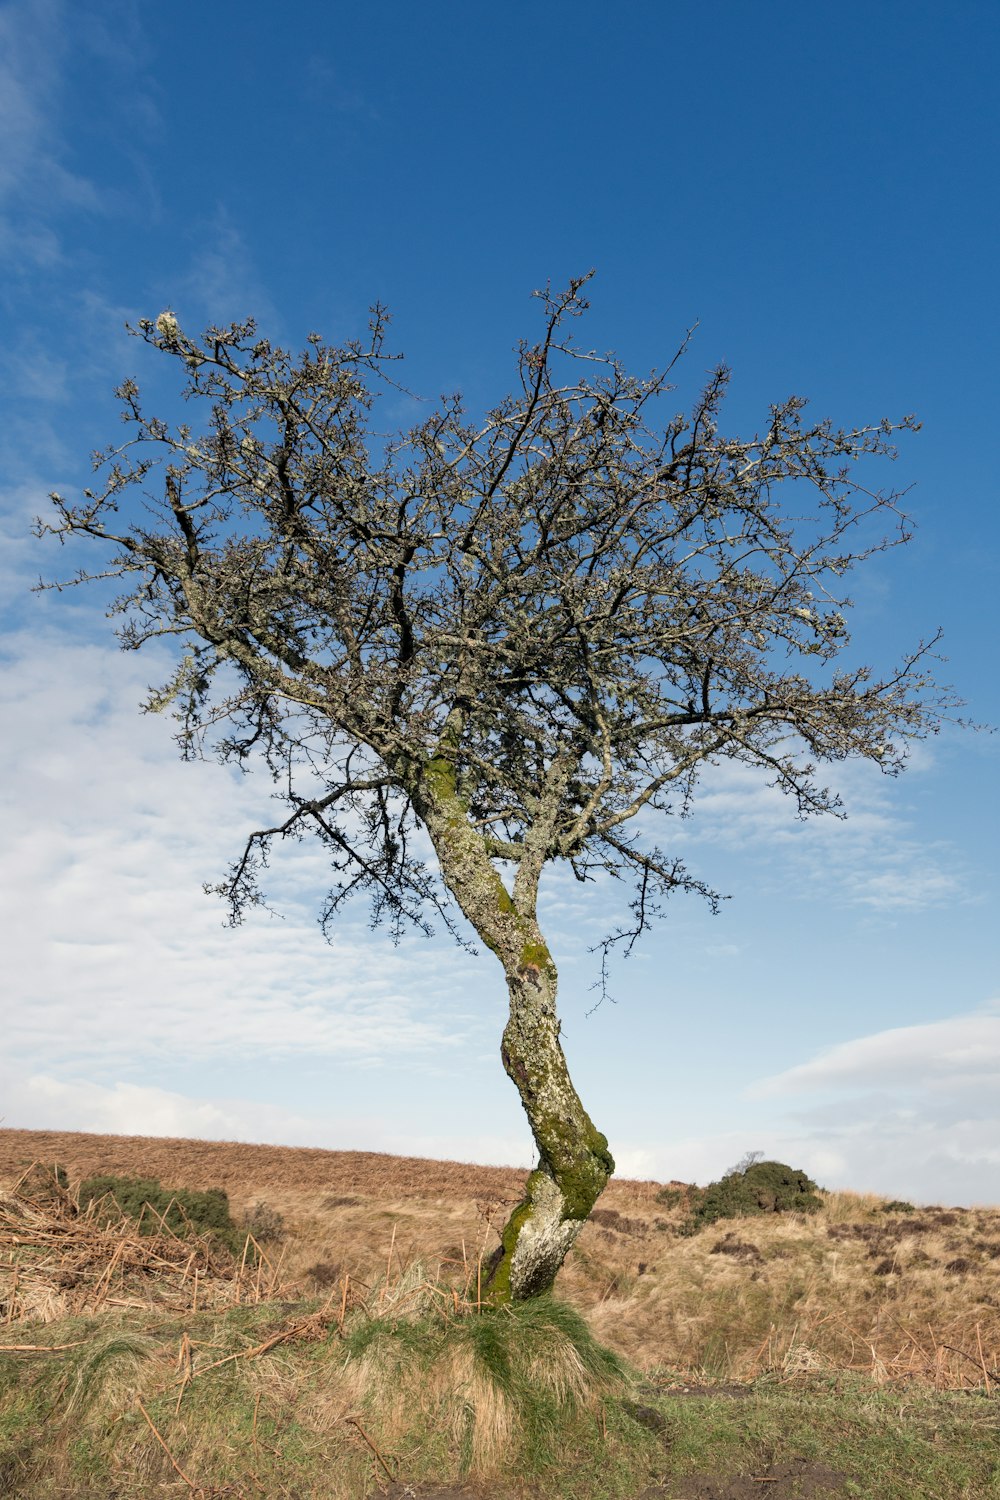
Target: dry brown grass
913, 1297
57, 1262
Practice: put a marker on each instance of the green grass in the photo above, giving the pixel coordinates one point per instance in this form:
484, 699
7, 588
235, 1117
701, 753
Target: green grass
521, 1396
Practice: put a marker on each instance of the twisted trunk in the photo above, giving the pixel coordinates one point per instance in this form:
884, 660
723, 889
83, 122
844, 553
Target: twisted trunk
574, 1163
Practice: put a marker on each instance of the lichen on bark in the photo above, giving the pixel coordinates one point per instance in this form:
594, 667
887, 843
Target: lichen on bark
574, 1162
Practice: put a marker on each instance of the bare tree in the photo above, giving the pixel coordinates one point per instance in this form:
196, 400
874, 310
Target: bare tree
526, 636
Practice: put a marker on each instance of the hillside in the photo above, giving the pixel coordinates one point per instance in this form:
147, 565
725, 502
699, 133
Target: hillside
345, 1353
860, 1286
244, 1170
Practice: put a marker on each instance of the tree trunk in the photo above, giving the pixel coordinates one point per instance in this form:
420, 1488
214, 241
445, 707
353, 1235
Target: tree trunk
574, 1161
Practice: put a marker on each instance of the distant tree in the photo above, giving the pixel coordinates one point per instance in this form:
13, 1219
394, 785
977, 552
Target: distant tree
525, 635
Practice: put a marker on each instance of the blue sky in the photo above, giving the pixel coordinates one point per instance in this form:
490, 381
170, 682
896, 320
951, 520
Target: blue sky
817, 187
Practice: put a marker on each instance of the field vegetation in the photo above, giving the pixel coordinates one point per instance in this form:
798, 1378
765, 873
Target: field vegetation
333, 1341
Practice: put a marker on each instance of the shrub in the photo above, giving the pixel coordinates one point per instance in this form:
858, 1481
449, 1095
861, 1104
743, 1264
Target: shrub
265, 1223
762, 1187
898, 1206
671, 1197
182, 1211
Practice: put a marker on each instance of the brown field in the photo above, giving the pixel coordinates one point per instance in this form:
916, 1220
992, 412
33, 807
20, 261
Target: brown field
911, 1297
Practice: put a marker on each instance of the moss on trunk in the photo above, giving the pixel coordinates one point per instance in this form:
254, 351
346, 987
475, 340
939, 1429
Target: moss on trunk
574, 1164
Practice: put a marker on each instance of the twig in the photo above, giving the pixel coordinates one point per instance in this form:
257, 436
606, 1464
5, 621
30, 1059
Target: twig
278, 1338
971, 1358
388, 1264
39, 1348
176, 1465
982, 1360
355, 1423
104, 1284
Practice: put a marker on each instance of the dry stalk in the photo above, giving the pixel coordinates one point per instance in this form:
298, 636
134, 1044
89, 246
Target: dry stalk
982, 1360
388, 1264
152, 1427
355, 1423
40, 1348
185, 1365
306, 1326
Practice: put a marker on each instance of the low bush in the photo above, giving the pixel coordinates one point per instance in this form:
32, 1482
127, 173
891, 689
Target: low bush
265, 1223
763, 1187
156, 1209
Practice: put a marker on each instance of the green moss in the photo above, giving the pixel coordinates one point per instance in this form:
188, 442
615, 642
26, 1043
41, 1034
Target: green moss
442, 778
536, 956
500, 1280
582, 1183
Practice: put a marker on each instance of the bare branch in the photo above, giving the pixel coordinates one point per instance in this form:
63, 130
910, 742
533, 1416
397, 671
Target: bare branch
550, 621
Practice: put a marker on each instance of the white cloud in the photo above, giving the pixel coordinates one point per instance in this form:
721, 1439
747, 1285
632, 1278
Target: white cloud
946, 1158
34, 180
870, 858
43, 1102
909, 1112
958, 1051
115, 954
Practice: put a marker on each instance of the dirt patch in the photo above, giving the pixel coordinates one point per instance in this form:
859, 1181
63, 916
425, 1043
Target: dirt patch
797, 1480
422, 1492
742, 1250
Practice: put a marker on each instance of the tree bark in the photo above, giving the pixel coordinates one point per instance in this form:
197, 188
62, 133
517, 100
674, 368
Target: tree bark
574, 1163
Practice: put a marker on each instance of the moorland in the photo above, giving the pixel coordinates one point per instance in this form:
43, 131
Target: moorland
346, 1349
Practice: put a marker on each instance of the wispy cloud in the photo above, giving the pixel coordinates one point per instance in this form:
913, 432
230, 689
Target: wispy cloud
326, 87
221, 283
950, 1054
115, 955
870, 858
35, 180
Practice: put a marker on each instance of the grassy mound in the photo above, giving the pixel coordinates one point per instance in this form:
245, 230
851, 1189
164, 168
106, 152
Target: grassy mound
402, 1391
398, 1382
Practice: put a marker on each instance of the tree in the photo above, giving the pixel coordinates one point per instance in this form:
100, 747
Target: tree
525, 636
